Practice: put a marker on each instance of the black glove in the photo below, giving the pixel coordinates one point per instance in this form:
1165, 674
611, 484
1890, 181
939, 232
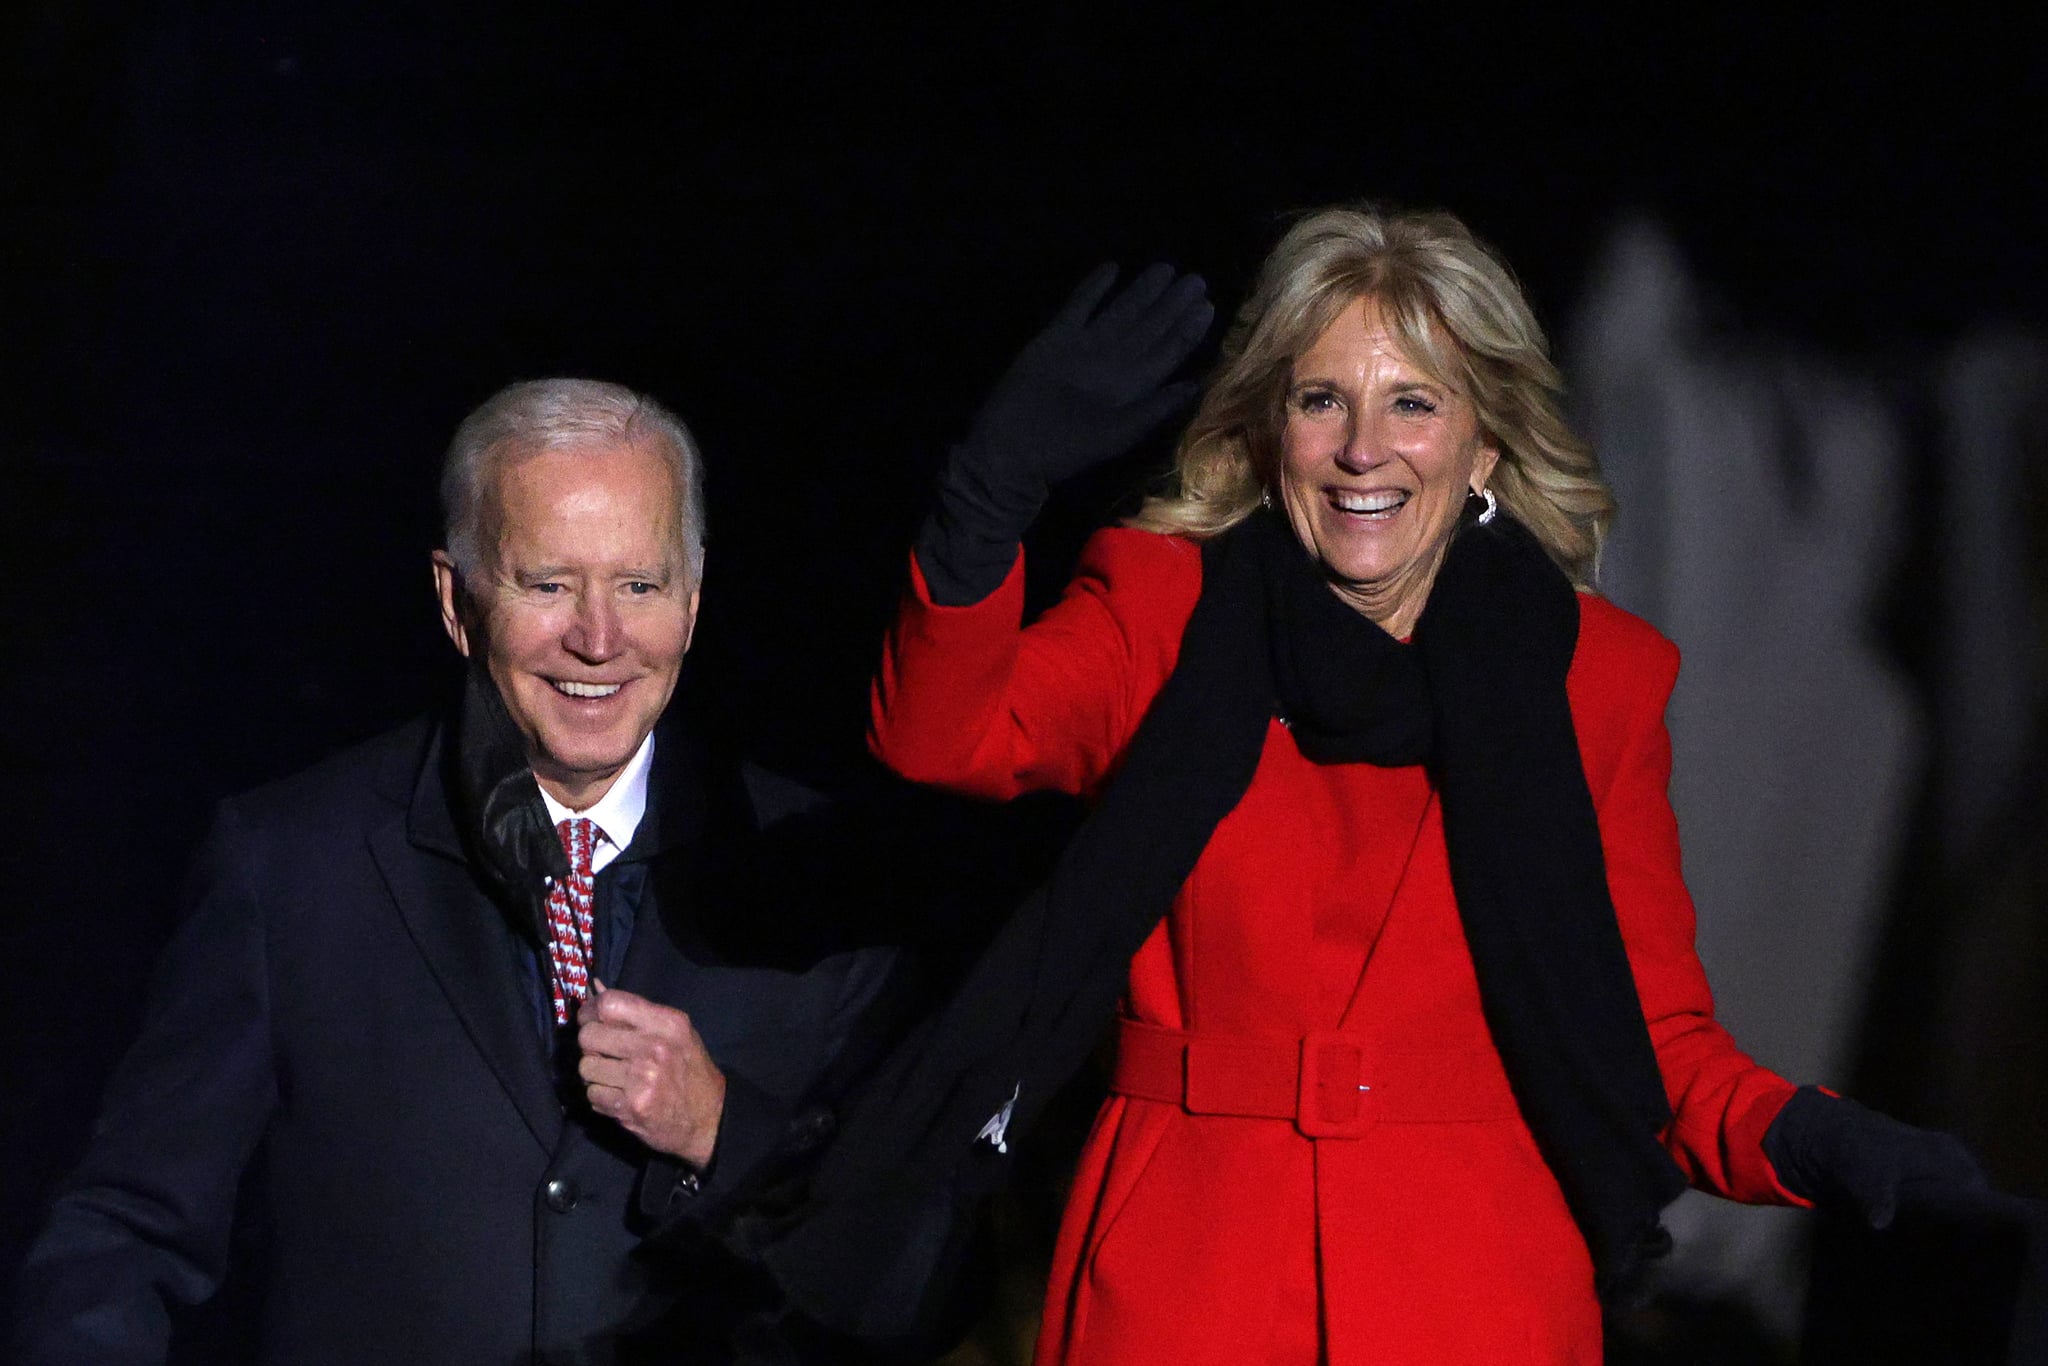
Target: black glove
1085, 390
1839, 1154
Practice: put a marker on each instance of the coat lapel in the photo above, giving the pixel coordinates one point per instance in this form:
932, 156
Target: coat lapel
700, 829
462, 936
1410, 819
666, 850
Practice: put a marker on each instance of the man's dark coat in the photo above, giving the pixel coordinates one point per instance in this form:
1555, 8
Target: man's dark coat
344, 1020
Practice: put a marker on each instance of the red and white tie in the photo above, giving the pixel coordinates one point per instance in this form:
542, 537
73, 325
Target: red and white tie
569, 905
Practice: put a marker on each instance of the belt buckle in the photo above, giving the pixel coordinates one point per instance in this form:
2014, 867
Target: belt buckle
1333, 1100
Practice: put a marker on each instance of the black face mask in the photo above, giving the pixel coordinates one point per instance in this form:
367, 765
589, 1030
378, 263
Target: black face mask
499, 812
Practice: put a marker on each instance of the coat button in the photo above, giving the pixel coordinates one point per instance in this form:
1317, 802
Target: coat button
562, 1195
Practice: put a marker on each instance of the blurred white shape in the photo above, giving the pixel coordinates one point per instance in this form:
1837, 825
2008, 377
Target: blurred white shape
1994, 398
1760, 494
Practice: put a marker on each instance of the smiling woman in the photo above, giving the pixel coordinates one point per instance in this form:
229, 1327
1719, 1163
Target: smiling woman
1416, 307
1414, 1045
1377, 459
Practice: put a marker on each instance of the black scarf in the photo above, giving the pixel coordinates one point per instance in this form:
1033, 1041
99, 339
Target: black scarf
1480, 698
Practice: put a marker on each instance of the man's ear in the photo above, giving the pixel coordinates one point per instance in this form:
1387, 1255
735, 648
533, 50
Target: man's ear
448, 591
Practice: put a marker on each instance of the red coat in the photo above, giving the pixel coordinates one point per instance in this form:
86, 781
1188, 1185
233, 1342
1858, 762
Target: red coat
1435, 1234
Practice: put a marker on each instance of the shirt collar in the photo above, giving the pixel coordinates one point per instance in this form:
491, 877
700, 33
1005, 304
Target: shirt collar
618, 812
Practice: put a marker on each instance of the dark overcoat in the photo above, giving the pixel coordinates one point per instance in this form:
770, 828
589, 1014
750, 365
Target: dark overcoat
343, 1032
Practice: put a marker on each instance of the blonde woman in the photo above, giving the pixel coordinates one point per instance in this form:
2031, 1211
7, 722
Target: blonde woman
1413, 1043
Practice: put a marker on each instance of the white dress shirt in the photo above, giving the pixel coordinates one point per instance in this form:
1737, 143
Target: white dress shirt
617, 813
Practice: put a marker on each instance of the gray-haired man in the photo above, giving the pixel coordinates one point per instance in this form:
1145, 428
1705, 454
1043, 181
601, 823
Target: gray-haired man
457, 998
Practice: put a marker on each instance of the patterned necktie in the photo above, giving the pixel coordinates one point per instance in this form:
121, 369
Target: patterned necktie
569, 904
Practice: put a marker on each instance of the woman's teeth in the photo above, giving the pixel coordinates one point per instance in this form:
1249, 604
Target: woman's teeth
585, 689
1368, 503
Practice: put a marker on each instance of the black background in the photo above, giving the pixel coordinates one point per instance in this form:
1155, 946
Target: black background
261, 257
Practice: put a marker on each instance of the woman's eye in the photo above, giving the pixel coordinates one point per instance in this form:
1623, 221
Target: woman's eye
1410, 403
1315, 401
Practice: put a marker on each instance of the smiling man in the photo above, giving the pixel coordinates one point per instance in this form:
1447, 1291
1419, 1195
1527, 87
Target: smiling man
457, 1002
579, 564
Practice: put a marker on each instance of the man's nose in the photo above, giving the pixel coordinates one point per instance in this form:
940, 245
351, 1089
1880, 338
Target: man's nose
595, 634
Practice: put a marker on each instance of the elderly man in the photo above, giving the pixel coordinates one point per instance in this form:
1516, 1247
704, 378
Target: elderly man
458, 999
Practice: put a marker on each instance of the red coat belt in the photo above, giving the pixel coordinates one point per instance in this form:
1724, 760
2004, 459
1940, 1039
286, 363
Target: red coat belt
1331, 1084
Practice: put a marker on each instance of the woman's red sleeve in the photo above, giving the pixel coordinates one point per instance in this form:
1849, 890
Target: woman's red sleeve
1722, 1101
969, 699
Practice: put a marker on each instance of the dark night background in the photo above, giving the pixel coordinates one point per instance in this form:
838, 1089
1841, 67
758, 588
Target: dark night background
261, 256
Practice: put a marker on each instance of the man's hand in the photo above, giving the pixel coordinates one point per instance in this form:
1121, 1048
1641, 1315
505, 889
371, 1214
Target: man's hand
645, 1066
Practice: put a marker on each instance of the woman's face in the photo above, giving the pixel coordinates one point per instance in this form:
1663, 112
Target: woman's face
1375, 463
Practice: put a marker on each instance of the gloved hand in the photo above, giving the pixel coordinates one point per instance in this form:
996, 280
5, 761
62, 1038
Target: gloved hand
1084, 391
1839, 1154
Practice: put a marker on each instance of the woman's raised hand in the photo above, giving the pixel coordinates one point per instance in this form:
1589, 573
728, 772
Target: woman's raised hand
1094, 383
1084, 391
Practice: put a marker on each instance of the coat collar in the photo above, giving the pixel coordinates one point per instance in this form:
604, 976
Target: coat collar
686, 787
462, 933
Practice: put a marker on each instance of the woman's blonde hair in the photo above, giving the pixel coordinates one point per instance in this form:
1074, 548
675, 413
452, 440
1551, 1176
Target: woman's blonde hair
1460, 317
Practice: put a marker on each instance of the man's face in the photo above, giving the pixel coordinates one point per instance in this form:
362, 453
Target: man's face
582, 608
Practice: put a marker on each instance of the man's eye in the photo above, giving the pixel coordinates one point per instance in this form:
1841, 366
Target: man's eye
640, 588
549, 586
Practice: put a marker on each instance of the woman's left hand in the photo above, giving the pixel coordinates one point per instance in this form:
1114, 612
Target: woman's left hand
1838, 1153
